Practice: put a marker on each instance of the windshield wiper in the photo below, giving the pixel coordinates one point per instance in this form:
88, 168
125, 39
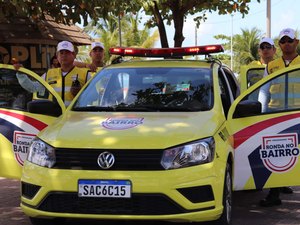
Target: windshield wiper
134, 108
93, 109
114, 108
176, 109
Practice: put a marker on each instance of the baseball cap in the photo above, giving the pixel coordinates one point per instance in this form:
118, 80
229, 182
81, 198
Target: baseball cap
65, 45
266, 40
287, 32
97, 44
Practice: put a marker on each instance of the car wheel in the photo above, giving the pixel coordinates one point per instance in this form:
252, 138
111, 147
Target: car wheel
40, 221
226, 216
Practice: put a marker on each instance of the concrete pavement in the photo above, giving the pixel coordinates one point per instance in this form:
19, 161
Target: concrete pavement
246, 210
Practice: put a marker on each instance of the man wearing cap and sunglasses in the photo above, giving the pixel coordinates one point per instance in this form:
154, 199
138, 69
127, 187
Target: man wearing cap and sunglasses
288, 44
266, 51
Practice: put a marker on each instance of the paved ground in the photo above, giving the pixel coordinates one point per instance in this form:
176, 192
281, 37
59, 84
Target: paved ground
246, 211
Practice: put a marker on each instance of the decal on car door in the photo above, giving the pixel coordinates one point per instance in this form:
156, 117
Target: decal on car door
267, 147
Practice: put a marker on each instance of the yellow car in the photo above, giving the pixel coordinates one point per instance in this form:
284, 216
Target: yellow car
160, 139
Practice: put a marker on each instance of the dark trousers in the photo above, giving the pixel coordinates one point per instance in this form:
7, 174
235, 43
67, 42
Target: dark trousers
274, 193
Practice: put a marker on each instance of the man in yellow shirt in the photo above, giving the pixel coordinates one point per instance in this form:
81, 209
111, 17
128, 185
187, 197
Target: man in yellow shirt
97, 57
266, 51
66, 80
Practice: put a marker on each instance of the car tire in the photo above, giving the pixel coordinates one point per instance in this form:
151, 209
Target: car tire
226, 216
42, 221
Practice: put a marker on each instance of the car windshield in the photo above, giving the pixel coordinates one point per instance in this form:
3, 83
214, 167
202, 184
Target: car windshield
148, 89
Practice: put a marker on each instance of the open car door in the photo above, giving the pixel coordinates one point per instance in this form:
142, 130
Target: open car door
23, 113
249, 75
264, 122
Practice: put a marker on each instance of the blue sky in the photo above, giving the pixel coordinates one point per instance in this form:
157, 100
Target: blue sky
284, 13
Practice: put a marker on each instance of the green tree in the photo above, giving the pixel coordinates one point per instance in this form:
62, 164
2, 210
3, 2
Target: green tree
245, 46
161, 11
107, 31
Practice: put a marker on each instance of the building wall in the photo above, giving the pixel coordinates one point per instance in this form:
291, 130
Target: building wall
35, 57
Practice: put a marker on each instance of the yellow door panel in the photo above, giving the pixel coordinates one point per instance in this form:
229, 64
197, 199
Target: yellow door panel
20, 119
266, 142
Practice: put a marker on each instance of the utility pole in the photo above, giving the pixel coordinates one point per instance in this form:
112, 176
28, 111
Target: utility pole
268, 18
196, 35
120, 31
231, 44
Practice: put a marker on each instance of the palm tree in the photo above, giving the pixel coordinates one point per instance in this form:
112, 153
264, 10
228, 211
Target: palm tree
245, 46
107, 31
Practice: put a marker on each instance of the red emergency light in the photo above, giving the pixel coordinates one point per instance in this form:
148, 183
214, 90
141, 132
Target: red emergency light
166, 52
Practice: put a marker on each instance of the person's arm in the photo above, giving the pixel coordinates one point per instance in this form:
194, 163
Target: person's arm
29, 85
91, 66
26, 83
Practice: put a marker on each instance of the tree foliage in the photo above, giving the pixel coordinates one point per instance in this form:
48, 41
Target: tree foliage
107, 31
244, 46
160, 11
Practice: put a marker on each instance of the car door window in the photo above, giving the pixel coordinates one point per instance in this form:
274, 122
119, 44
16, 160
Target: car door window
279, 94
15, 95
12, 95
226, 94
254, 75
232, 82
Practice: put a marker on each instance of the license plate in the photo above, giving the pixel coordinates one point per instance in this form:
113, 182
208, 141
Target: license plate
104, 188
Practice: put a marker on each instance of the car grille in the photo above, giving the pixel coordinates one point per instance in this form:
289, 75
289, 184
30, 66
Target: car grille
86, 159
138, 204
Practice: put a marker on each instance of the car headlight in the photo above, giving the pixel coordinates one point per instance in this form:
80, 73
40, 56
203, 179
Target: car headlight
191, 154
41, 154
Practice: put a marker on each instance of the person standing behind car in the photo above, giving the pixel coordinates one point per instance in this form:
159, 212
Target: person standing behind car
97, 57
54, 62
66, 80
266, 51
288, 44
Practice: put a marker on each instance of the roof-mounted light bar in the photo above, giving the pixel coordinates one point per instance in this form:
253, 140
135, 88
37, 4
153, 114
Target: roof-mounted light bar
166, 52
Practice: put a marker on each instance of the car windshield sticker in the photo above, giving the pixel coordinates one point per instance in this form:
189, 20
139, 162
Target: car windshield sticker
121, 123
280, 153
21, 143
182, 87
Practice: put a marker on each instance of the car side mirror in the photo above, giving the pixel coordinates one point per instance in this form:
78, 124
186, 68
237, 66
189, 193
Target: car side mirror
44, 107
247, 108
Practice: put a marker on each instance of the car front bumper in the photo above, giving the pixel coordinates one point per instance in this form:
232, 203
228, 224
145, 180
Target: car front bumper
182, 195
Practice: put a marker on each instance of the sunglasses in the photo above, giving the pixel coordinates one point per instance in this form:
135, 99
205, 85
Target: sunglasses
265, 47
283, 41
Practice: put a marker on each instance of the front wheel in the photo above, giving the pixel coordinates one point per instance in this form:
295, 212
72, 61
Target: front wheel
226, 216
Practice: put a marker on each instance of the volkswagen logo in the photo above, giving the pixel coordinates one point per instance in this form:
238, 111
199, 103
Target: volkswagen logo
106, 160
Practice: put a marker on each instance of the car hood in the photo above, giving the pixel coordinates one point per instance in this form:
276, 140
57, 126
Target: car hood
129, 130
